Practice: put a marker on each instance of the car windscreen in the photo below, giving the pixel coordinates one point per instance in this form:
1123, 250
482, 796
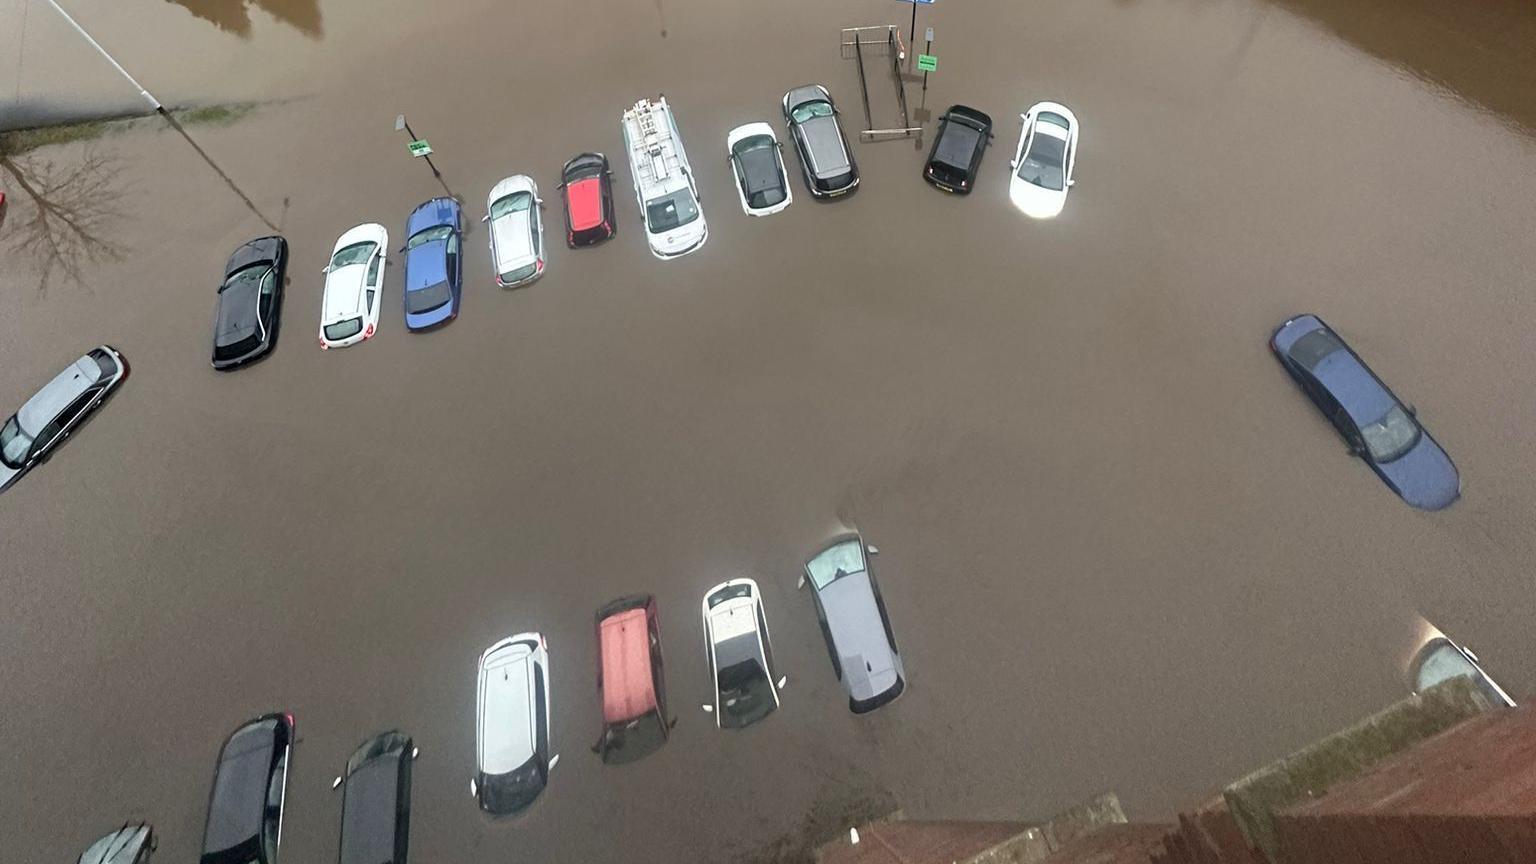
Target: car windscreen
239, 795
518, 275
516, 789
343, 329
428, 235
1312, 348
14, 443
809, 110
517, 202
729, 592
428, 298
1443, 663
357, 253
1391, 436
670, 211
1043, 164
630, 741
840, 560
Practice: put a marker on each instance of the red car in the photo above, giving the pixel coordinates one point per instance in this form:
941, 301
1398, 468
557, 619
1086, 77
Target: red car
587, 185
630, 680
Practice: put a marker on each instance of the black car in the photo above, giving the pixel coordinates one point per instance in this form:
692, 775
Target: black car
825, 160
586, 184
376, 804
250, 302
957, 149
250, 785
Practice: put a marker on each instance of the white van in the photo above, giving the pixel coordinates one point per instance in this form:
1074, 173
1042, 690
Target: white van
664, 182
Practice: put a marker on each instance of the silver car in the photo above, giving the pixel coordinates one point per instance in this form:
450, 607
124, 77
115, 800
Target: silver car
825, 159
1440, 659
31, 435
855, 624
740, 655
133, 843
512, 758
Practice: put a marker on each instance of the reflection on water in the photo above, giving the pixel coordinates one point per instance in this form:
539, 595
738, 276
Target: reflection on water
62, 210
234, 16
1481, 51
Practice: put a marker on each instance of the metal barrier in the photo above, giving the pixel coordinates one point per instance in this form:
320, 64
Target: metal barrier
888, 37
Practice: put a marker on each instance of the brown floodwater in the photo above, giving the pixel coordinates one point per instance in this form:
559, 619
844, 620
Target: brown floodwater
1119, 548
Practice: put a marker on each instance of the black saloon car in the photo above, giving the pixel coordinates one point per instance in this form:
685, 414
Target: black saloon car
250, 302
957, 149
376, 804
250, 784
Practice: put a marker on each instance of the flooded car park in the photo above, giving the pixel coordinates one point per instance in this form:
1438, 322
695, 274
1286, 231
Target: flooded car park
1066, 435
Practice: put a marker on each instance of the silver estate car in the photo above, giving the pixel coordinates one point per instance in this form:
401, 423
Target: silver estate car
31, 435
512, 749
855, 624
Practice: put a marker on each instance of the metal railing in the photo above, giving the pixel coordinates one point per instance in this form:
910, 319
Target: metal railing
876, 37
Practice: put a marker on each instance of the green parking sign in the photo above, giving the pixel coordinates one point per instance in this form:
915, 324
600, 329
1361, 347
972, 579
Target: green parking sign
928, 62
420, 148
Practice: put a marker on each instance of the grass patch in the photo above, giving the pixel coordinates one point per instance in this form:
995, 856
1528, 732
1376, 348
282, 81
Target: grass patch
214, 115
19, 141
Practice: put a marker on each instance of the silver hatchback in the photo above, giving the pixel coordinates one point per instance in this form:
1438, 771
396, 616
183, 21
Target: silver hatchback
855, 624
30, 436
512, 747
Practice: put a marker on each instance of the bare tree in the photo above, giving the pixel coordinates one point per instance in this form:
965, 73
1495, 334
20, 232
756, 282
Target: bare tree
70, 206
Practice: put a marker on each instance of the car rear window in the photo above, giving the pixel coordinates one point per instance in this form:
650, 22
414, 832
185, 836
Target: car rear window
1312, 348
343, 329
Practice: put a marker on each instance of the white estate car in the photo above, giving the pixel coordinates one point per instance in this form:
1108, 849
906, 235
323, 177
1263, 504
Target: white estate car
517, 231
758, 163
1045, 160
354, 283
512, 719
740, 655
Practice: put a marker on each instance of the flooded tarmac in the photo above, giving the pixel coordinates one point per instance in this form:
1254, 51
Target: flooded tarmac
1119, 548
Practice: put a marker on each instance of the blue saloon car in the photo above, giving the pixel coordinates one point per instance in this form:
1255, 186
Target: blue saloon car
434, 267
1375, 424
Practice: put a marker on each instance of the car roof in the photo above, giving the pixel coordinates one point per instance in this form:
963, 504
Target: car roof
513, 235
957, 145
585, 199
760, 169
1343, 374
507, 680
368, 812
426, 265
237, 805
628, 688
437, 211
824, 146
54, 396
237, 312
854, 619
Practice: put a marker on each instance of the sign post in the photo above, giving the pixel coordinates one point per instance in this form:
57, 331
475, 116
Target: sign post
912, 32
927, 52
418, 146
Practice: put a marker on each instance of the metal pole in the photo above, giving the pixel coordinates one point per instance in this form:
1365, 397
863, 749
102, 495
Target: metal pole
912, 34
412, 134
148, 97
928, 50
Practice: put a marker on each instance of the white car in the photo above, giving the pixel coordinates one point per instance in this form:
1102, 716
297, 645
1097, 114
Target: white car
512, 720
354, 283
757, 161
1045, 160
517, 231
740, 655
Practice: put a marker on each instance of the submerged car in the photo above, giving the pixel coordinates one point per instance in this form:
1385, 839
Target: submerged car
517, 231
433, 267
855, 624
665, 187
825, 160
250, 302
957, 149
250, 787
1378, 427
740, 655
354, 287
630, 681
1044, 161
133, 843
758, 162
512, 720
586, 184
376, 803
31, 435
1440, 659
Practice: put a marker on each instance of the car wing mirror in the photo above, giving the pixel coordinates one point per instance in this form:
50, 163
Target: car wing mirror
1412, 411
485, 218
474, 788
708, 709
325, 269
554, 760
1071, 182
415, 751
872, 550
336, 783
784, 679
671, 723
801, 583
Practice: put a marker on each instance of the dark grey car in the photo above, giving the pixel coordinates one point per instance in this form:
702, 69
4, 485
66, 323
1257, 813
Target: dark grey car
376, 804
250, 302
825, 160
30, 436
855, 624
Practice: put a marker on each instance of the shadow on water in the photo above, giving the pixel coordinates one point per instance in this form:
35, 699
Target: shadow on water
60, 211
234, 16
1480, 51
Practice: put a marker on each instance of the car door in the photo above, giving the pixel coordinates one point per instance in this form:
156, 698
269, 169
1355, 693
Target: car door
826, 632
266, 299
71, 416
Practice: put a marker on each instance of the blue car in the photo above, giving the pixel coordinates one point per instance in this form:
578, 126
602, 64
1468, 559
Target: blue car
1378, 427
434, 269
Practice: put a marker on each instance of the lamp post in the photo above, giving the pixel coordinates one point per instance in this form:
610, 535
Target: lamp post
148, 97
